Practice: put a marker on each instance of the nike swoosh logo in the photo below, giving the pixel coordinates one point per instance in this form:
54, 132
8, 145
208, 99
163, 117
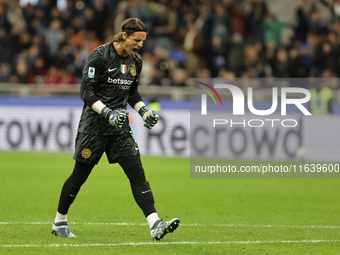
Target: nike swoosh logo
136, 149
72, 195
143, 192
110, 70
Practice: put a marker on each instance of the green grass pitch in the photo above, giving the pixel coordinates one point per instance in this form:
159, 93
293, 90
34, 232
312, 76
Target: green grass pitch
218, 216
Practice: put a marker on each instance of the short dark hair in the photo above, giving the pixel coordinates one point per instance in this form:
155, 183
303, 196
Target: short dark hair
130, 26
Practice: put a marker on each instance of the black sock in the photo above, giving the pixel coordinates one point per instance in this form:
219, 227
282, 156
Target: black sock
144, 197
72, 186
141, 190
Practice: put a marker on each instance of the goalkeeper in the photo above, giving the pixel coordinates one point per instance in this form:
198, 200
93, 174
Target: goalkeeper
109, 81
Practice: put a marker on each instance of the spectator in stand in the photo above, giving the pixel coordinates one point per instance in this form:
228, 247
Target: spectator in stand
148, 75
54, 37
255, 11
317, 23
272, 29
296, 67
53, 76
89, 19
19, 39
238, 18
204, 23
14, 13
78, 64
180, 78
301, 25
5, 73
67, 76
32, 55
222, 28
37, 71
235, 53
102, 18
281, 65
29, 15
193, 44
164, 26
21, 72
38, 41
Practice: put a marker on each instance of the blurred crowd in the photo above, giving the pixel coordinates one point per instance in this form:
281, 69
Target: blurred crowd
43, 44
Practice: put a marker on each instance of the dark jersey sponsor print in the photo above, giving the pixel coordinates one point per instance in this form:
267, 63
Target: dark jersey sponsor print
112, 79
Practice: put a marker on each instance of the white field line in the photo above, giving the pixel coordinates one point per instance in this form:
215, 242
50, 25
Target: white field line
163, 243
185, 225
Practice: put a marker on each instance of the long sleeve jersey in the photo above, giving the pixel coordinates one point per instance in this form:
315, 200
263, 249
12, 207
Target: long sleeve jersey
112, 79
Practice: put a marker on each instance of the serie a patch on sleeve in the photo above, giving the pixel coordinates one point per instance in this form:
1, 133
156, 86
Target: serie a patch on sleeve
91, 72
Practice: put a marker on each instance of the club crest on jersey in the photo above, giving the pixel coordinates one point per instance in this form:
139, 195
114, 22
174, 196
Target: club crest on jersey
90, 74
133, 70
123, 68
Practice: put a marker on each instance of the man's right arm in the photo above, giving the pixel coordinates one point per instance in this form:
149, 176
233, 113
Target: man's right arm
90, 77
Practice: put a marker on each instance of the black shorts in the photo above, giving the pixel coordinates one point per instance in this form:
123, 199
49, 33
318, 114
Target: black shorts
90, 148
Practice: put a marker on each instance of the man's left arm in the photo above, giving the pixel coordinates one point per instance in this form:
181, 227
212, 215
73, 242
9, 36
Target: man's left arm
150, 117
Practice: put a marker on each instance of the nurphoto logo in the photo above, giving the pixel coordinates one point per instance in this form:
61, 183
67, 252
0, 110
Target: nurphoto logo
238, 98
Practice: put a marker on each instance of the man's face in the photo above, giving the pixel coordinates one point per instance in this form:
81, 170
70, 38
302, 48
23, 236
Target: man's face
134, 42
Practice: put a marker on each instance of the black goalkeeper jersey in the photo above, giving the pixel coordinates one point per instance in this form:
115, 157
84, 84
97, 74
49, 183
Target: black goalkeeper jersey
112, 79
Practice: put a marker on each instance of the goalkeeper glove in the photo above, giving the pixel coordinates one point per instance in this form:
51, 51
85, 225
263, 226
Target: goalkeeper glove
116, 117
150, 117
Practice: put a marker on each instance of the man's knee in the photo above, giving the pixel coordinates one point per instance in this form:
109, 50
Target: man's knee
133, 169
82, 168
80, 173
